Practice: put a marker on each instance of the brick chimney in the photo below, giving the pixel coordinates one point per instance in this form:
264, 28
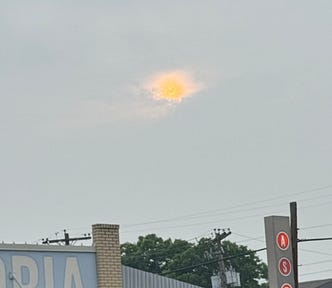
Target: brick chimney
108, 255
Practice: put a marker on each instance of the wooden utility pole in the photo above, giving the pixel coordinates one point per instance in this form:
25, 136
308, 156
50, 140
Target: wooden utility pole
218, 238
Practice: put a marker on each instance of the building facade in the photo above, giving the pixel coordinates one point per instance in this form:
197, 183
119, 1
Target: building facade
96, 266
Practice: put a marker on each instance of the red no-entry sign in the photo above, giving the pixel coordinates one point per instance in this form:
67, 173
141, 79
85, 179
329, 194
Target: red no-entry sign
285, 266
283, 240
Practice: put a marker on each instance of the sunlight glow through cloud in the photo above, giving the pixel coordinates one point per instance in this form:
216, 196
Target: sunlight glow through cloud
172, 86
150, 99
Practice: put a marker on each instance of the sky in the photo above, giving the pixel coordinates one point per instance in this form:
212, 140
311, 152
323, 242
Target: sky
84, 139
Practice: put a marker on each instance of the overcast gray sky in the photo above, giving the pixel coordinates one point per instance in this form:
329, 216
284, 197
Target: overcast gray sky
83, 141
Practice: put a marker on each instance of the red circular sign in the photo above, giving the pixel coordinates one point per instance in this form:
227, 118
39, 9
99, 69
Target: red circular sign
285, 266
286, 285
283, 240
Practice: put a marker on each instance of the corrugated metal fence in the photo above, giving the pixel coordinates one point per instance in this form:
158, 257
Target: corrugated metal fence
134, 278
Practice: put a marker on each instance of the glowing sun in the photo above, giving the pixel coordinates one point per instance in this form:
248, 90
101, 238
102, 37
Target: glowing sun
172, 86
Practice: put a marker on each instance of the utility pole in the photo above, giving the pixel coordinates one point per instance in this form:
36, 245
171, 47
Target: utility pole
222, 270
294, 240
66, 239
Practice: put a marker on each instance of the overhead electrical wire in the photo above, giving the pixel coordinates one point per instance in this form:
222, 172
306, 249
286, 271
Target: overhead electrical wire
315, 263
213, 261
217, 212
195, 224
316, 273
316, 226
258, 239
315, 252
232, 219
226, 211
230, 210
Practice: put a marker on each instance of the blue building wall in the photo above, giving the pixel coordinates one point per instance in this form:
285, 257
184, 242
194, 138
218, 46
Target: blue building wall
47, 267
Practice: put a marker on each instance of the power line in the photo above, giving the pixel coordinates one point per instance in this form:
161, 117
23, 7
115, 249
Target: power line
315, 252
215, 221
218, 221
197, 223
189, 217
315, 263
258, 239
213, 261
316, 226
317, 205
232, 207
317, 272
199, 236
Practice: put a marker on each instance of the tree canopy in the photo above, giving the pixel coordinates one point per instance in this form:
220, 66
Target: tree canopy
192, 263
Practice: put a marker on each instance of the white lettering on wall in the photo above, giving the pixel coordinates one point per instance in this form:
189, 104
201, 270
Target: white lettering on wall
72, 273
48, 268
2, 274
23, 261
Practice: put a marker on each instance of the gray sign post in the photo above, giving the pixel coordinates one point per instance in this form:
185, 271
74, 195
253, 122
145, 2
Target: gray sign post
279, 252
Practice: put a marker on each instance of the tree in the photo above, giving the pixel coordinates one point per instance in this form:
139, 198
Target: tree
250, 267
192, 263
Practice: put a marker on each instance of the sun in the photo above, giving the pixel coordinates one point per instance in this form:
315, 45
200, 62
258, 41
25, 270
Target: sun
172, 86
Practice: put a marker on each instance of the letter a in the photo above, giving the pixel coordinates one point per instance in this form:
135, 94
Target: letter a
72, 273
283, 242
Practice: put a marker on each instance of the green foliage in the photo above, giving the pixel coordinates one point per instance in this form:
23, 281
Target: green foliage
250, 267
152, 253
192, 263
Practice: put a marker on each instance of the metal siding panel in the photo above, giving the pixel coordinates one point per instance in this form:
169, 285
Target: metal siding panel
140, 283
134, 278
155, 281
147, 280
169, 283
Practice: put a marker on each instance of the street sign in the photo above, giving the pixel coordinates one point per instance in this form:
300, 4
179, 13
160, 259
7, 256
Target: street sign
279, 252
283, 240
